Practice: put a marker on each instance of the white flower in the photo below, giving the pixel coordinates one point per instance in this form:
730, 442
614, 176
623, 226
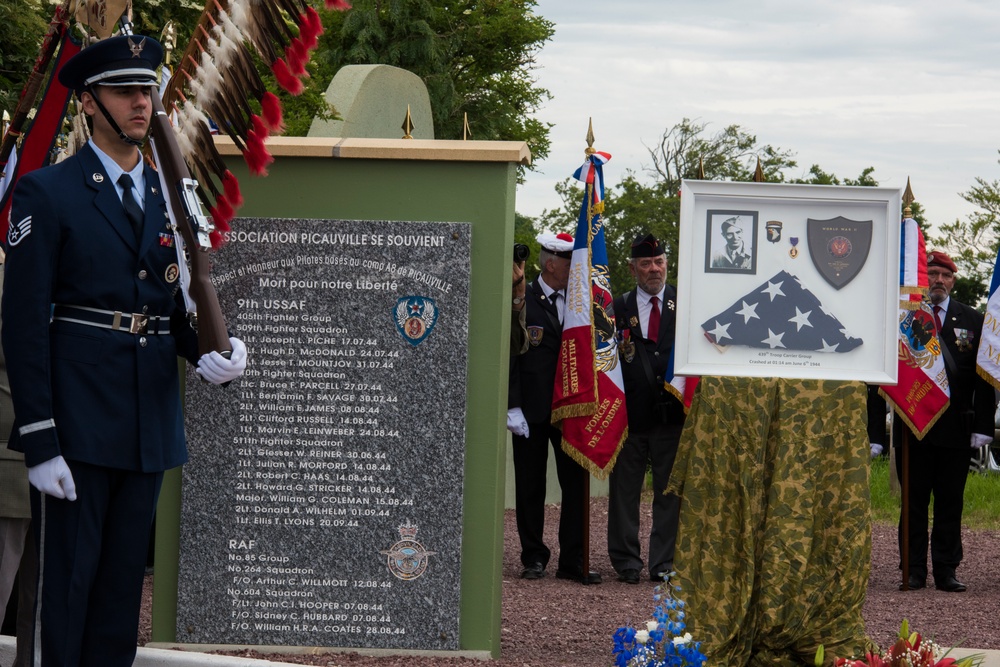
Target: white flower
680, 641
642, 636
652, 625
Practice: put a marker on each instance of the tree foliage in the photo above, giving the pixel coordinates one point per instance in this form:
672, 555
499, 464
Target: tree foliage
150, 17
476, 57
22, 26
731, 154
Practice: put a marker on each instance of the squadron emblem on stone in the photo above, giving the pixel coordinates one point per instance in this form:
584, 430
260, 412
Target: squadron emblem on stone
415, 317
407, 559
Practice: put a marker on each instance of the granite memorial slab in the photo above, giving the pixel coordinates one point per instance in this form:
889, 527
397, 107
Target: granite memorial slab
322, 502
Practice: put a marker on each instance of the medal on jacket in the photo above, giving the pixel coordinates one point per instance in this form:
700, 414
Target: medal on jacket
626, 346
963, 339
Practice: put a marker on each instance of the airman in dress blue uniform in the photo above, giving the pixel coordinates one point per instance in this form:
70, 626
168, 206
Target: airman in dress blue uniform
94, 323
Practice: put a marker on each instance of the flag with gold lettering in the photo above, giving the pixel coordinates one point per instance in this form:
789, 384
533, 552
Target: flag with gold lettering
922, 393
988, 359
588, 403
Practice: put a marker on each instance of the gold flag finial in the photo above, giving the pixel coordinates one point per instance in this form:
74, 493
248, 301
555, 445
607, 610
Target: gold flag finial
758, 173
701, 168
908, 199
466, 132
407, 124
590, 150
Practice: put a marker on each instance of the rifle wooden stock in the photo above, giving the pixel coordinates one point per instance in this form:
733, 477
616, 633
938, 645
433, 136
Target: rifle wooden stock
211, 326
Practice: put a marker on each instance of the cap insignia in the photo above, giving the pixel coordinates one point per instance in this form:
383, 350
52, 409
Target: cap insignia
136, 47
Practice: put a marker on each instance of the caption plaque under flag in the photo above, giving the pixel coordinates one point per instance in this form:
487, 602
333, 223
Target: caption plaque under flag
839, 247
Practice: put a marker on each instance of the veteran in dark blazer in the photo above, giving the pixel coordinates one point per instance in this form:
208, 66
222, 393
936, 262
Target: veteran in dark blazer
645, 318
532, 378
939, 464
93, 325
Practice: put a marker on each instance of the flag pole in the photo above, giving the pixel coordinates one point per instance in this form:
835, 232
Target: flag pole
904, 479
585, 513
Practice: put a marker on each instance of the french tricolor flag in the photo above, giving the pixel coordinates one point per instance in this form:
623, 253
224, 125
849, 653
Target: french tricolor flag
922, 393
589, 396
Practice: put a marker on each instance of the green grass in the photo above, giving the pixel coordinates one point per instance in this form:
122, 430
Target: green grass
982, 498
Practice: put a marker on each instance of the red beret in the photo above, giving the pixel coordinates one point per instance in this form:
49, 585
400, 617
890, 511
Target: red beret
938, 258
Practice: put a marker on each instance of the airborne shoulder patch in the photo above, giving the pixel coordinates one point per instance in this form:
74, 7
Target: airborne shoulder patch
18, 232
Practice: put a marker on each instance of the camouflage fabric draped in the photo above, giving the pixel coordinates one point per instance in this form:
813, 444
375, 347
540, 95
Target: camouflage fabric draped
774, 545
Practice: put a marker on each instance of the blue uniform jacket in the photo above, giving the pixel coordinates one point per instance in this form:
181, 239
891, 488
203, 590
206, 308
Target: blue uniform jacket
94, 395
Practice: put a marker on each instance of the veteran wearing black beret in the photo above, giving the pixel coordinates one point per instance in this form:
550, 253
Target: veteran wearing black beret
645, 321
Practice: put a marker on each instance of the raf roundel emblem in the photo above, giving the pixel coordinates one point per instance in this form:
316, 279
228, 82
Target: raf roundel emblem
172, 273
415, 317
407, 559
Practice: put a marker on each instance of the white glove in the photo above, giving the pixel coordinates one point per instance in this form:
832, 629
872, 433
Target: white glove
979, 440
218, 370
876, 449
53, 478
516, 423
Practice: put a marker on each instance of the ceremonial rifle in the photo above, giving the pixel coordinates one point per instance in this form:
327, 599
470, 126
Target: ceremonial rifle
186, 215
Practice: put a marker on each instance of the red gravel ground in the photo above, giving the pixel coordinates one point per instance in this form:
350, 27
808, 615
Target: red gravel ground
555, 623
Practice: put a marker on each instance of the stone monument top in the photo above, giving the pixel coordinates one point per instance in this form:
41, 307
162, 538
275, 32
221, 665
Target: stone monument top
371, 101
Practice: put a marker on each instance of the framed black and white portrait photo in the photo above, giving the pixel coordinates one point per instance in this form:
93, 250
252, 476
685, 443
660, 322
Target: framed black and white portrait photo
731, 242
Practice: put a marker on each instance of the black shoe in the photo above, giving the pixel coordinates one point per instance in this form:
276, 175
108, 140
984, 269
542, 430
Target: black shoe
533, 571
577, 575
629, 576
950, 584
914, 582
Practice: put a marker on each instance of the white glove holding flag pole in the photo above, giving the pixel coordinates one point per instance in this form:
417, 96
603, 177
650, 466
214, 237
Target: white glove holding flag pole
979, 440
216, 369
53, 478
516, 423
876, 449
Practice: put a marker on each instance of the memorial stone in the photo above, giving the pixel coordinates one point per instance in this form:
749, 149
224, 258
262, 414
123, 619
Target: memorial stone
322, 503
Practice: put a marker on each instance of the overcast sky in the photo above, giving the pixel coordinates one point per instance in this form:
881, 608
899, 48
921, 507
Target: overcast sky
909, 88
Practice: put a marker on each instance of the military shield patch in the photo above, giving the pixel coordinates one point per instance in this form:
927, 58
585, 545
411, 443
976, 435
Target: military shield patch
415, 318
839, 247
535, 335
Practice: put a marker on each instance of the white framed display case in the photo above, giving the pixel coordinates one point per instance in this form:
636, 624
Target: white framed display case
795, 281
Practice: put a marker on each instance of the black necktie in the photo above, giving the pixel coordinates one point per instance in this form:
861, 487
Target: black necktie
132, 208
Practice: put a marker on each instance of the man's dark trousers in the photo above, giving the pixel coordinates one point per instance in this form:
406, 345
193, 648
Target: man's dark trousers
530, 460
659, 448
103, 585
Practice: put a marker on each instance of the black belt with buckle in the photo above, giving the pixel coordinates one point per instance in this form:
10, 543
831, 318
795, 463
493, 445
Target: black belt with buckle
134, 323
